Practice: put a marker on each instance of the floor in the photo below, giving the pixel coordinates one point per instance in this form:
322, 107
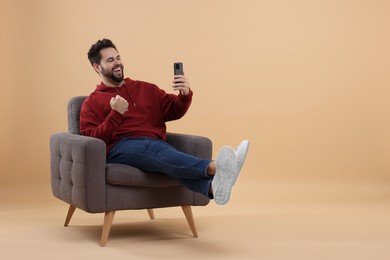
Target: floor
269, 220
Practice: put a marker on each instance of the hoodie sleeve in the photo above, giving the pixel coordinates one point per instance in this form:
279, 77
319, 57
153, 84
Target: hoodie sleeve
93, 125
174, 106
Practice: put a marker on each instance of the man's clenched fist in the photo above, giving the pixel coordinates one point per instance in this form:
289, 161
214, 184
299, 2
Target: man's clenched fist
119, 104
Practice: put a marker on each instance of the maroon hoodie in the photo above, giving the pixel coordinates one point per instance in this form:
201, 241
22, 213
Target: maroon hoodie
149, 108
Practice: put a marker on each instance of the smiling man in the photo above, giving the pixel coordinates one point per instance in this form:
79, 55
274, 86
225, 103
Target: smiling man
130, 116
110, 70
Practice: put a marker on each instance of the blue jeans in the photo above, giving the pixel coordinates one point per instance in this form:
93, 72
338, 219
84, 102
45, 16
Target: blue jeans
153, 155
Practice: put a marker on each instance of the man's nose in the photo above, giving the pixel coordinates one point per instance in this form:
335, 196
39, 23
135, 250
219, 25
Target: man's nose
117, 62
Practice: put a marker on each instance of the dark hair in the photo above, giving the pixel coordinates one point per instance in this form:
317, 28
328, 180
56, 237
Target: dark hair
94, 55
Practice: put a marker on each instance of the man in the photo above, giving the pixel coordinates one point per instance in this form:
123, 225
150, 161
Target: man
129, 116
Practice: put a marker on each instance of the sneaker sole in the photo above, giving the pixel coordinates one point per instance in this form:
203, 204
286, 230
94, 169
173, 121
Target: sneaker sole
240, 161
226, 166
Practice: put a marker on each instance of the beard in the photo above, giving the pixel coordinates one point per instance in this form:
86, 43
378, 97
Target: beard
111, 74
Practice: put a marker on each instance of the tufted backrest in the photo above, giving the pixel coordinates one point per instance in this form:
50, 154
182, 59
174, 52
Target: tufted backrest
74, 107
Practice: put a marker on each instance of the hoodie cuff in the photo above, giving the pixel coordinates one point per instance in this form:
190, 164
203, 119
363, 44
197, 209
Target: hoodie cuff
186, 98
115, 116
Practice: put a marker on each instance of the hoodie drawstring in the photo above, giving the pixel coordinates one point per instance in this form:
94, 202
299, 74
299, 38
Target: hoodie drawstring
128, 94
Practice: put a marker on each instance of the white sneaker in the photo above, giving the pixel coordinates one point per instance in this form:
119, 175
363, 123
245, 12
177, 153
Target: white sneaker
241, 152
225, 176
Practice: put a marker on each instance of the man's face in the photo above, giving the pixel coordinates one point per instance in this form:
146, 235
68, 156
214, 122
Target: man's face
111, 65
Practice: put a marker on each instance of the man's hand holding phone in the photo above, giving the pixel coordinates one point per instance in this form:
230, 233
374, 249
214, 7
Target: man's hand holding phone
180, 81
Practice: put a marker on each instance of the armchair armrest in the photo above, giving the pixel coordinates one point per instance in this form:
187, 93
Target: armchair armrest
77, 165
195, 145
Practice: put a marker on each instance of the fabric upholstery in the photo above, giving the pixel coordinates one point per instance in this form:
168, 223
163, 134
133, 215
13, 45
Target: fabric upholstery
78, 170
74, 107
81, 177
117, 174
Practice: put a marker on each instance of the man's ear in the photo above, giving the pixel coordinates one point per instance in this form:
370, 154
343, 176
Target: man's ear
96, 67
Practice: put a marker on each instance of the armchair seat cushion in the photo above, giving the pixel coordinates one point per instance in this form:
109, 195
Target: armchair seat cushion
124, 175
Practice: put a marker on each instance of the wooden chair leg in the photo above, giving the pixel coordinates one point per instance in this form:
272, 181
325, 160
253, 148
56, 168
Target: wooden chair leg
151, 213
70, 214
190, 219
108, 218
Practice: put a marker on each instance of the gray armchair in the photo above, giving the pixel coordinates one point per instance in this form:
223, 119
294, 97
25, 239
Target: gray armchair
81, 177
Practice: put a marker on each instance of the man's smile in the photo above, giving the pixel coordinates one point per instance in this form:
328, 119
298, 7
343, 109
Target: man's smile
117, 69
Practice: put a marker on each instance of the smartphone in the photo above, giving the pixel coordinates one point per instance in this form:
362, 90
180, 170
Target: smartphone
178, 68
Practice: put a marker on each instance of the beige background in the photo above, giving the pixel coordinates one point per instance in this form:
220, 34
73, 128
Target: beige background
307, 82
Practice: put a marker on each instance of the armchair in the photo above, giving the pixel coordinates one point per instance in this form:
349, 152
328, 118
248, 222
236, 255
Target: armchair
81, 177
